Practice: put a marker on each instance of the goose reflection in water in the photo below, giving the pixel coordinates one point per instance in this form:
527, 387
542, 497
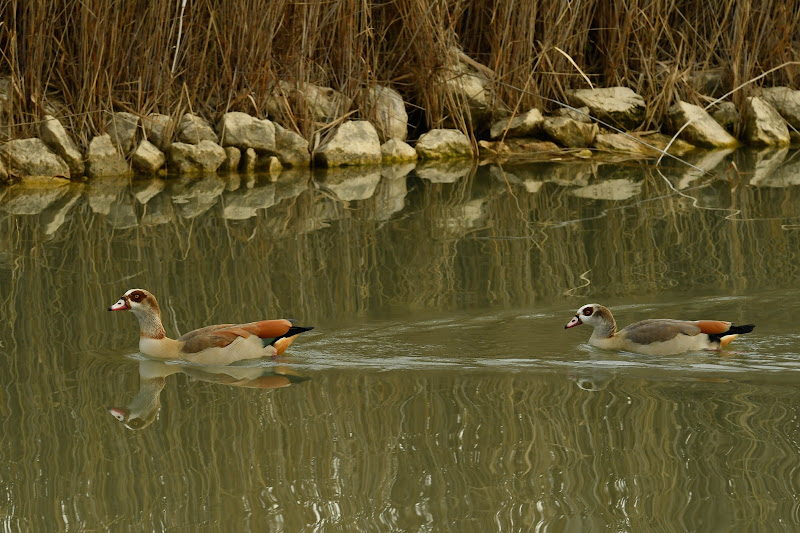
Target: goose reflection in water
142, 410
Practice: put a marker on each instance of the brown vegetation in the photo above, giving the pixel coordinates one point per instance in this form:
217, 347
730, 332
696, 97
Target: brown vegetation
85, 58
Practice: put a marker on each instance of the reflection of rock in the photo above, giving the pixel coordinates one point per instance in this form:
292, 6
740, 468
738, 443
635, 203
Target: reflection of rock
123, 216
56, 214
196, 196
709, 161
31, 200
324, 210
243, 204
460, 218
615, 189
764, 164
390, 197
102, 194
564, 174
787, 174
159, 210
351, 183
505, 176
447, 171
397, 170
144, 190
293, 181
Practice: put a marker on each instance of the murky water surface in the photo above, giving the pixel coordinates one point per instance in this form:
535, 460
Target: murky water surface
439, 390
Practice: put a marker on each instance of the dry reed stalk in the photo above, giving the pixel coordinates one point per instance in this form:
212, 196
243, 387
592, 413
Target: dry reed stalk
82, 59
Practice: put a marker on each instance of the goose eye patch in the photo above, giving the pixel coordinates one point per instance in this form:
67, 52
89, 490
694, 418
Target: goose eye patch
588, 311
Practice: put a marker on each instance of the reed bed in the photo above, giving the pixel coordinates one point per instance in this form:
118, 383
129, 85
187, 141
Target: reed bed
81, 59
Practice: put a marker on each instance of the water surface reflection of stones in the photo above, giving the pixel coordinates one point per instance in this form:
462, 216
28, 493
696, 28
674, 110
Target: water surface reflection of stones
613, 189
195, 196
447, 171
350, 183
31, 200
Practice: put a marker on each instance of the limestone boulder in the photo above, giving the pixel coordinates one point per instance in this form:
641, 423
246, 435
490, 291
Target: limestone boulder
326, 104
249, 161
193, 129
525, 125
618, 106
159, 130
700, 129
387, 110
354, 143
103, 159
443, 144
32, 157
396, 151
786, 101
147, 158
291, 148
580, 114
570, 133
244, 131
4, 178
123, 127
233, 157
202, 157
763, 125
52, 132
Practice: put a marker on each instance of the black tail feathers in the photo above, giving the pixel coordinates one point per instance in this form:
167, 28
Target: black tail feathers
733, 330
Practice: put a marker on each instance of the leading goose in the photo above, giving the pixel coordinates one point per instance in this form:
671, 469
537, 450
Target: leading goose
660, 336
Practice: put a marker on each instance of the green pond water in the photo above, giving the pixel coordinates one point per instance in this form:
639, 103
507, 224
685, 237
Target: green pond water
439, 390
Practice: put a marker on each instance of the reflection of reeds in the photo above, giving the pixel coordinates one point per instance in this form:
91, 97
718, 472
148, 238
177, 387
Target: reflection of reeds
479, 241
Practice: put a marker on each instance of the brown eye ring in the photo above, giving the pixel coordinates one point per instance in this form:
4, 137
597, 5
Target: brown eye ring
588, 311
136, 296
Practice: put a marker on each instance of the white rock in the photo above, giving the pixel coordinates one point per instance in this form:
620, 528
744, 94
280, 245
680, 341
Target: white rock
54, 135
122, 128
524, 125
159, 130
32, 157
192, 129
619, 106
397, 151
763, 125
354, 143
702, 130
291, 148
786, 101
233, 156
570, 133
103, 159
389, 112
244, 131
204, 156
249, 161
148, 158
443, 143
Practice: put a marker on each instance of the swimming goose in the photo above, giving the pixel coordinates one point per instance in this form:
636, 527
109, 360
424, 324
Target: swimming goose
656, 336
218, 345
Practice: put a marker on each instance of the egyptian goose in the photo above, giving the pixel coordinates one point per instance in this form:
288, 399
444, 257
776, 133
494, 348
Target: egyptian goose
141, 411
218, 345
656, 336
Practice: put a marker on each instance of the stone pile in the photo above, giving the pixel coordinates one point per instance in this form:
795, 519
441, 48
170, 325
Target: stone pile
595, 119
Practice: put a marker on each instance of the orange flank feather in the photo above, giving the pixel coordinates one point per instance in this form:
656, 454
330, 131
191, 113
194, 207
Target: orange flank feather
283, 343
713, 326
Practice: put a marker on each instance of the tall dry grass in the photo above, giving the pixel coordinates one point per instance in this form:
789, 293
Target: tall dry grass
82, 59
